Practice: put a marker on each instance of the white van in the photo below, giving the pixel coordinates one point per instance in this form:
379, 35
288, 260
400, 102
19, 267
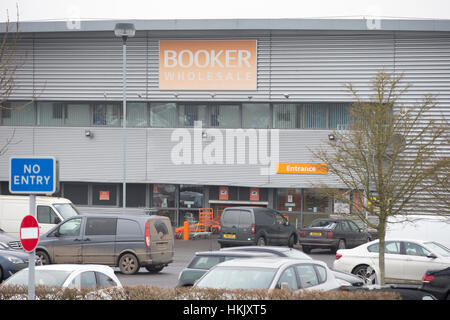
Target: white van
420, 227
49, 212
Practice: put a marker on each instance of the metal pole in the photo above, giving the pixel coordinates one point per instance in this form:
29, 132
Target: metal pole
124, 121
32, 255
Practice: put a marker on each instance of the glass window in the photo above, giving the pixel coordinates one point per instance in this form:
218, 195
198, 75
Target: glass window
128, 227
245, 219
107, 114
84, 280
314, 202
315, 116
135, 195
77, 114
18, 113
392, 247
50, 113
225, 116
322, 273
285, 116
70, 228
205, 262
288, 276
66, 210
100, 226
163, 115
339, 116
189, 113
323, 224
256, 115
41, 277
413, 249
344, 226
191, 196
439, 249
289, 199
136, 114
45, 214
104, 281
353, 226
76, 192
164, 195
307, 275
104, 194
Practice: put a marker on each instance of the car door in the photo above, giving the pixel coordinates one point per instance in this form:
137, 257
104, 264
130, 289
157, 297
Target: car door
346, 233
358, 237
244, 228
394, 260
417, 262
98, 242
67, 244
283, 230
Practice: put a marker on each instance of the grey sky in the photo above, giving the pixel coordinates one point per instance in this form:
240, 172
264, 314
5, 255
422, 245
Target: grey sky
202, 9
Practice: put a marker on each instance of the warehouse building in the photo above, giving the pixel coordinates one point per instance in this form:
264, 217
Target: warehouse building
219, 112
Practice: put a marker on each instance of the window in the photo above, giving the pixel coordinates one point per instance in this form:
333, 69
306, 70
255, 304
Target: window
163, 115
190, 113
322, 272
104, 281
339, 116
60, 114
256, 115
191, 196
205, 262
77, 114
70, 228
76, 192
307, 275
392, 247
353, 226
164, 195
135, 195
289, 199
344, 226
104, 194
18, 113
413, 249
100, 226
225, 116
84, 280
107, 114
285, 116
245, 219
45, 214
289, 277
127, 227
136, 114
314, 202
315, 116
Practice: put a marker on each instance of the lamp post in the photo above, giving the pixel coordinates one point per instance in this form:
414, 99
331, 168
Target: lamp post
125, 31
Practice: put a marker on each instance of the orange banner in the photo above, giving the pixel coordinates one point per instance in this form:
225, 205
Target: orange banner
302, 168
207, 65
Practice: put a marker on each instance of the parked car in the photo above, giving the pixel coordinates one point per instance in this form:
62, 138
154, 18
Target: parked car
69, 276
406, 292
266, 273
126, 241
255, 226
11, 261
437, 282
9, 241
344, 278
406, 261
203, 261
333, 234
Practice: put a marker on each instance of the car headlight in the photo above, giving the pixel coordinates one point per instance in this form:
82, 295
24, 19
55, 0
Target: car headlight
15, 259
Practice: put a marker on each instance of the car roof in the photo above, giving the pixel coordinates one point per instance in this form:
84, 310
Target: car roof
266, 262
234, 253
243, 248
74, 267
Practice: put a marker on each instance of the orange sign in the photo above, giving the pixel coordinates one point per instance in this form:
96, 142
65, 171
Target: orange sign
223, 193
302, 168
254, 194
207, 65
104, 195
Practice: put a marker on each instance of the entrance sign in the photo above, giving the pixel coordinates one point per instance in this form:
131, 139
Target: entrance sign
302, 168
33, 175
208, 65
29, 233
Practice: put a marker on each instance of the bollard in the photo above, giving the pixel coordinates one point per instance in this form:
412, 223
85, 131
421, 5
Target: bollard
186, 231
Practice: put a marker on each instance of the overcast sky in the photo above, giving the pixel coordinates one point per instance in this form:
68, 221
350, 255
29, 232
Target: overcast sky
41, 10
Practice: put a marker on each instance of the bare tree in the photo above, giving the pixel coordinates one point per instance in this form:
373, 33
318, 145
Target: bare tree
387, 154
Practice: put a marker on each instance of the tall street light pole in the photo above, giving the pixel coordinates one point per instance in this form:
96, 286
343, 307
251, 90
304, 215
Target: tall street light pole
125, 31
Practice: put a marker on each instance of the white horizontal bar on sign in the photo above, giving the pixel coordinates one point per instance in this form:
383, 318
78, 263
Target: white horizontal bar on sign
239, 202
29, 233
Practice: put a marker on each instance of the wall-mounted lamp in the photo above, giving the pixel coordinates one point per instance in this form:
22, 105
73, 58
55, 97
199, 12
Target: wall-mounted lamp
250, 97
176, 94
139, 95
331, 137
105, 95
88, 134
213, 94
286, 95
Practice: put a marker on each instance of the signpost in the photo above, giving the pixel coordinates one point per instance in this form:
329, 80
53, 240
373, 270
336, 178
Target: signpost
32, 175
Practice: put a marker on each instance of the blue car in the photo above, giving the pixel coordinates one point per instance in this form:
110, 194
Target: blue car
11, 261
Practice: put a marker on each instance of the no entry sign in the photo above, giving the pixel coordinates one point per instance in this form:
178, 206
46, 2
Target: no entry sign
29, 233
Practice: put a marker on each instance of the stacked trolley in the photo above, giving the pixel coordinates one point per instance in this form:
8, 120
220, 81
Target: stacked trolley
206, 225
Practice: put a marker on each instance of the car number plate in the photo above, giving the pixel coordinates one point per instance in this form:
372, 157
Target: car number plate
229, 236
315, 234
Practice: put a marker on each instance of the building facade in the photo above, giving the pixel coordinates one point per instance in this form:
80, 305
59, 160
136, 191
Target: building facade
219, 112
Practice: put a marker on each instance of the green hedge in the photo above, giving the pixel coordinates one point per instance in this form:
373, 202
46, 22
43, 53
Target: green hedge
158, 293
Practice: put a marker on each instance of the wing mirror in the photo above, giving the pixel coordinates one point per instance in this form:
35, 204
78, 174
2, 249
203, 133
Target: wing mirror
432, 256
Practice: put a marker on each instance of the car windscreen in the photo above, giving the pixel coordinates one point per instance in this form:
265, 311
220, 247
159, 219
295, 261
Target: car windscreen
42, 277
438, 248
238, 278
296, 254
204, 262
325, 224
66, 210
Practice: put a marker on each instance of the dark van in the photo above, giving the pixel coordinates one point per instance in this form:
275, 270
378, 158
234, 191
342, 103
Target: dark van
255, 225
126, 241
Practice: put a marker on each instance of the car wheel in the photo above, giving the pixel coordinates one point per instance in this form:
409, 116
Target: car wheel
291, 241
128, 264
366, 273
154, 269
45, 259
261, 241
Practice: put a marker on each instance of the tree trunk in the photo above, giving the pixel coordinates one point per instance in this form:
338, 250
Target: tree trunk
381, 264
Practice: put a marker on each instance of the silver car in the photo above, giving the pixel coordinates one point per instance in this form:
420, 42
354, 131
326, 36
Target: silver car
267, 273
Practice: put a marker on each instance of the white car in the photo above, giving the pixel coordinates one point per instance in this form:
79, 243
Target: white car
75, 276
269, 273
406, 261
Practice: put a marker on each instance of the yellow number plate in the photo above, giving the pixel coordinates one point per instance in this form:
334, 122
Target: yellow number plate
229, 236
315, 234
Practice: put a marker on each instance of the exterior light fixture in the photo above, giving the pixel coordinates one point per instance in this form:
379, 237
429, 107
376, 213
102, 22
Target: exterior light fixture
124, 30
331, 137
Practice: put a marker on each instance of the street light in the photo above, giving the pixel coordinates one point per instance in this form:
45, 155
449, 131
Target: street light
125, 31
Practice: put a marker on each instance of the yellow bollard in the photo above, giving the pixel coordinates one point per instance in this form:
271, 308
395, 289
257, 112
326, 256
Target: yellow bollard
186, 231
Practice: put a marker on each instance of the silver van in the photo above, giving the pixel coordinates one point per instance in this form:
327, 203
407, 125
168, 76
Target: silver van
126, 241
